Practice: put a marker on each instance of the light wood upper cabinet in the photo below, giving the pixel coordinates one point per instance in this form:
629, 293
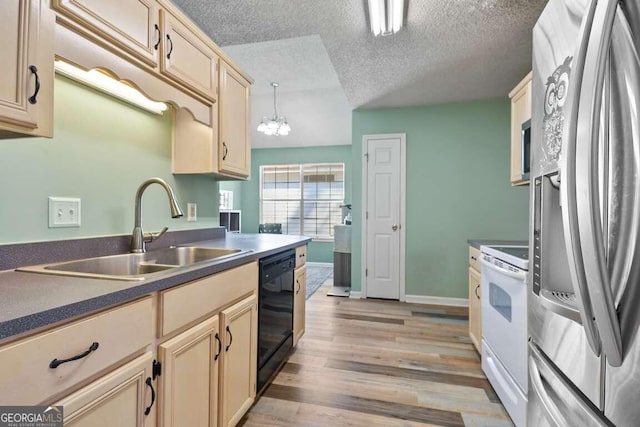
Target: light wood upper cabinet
299, 312
520, 113
239, 329
26, 86
234, 153
189, 380
224, 149
132, 25
188, 59
153, 45
120, 398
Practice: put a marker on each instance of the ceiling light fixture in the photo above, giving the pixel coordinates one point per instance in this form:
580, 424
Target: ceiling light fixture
278, 124
386, 16
107, 84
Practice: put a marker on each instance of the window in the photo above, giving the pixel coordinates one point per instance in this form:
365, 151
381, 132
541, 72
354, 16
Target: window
305, 199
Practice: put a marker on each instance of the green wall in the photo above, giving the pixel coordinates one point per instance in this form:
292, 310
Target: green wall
457, 188
317, 251
102, 150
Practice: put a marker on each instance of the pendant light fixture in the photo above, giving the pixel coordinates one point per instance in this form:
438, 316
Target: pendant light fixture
277, 125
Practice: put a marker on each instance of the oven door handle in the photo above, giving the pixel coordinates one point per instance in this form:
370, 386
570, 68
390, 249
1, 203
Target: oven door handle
521, 276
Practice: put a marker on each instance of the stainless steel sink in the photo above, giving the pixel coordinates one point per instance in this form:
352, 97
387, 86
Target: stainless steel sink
187, 255
135, 266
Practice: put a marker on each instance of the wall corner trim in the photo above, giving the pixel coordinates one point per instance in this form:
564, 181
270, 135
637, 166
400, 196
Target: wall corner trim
355, 295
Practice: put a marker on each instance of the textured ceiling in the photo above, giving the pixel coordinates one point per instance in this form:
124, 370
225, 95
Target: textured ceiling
323, 51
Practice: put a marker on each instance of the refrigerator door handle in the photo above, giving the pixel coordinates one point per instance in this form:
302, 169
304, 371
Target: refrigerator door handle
562, 404
587, 182
568, 189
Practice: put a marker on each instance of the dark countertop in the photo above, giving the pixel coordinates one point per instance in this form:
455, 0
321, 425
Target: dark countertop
476, 243
32, 301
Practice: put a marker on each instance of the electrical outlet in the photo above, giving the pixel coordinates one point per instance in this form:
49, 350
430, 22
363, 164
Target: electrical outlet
192, 212
64, 212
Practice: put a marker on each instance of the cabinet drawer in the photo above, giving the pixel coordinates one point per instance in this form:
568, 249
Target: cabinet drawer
474, 258
191, 301
301, 255
120, 397
28, 379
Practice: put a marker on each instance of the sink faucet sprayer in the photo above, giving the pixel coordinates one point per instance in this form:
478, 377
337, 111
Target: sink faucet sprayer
138, 238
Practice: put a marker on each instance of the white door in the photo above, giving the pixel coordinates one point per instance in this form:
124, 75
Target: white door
383, 186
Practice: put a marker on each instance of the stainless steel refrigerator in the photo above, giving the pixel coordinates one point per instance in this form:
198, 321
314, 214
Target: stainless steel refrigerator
584, 287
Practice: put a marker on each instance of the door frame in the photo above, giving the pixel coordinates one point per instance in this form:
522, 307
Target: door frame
403, 190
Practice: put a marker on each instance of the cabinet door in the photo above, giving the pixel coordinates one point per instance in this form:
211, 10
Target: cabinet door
235, 141
239, 327
189, 380
300, 286
131, 25
26, 93
475, 308
117, 399
520, 113
186, 58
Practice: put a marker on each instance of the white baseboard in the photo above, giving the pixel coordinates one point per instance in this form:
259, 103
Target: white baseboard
319, 264
422, 299
355, 294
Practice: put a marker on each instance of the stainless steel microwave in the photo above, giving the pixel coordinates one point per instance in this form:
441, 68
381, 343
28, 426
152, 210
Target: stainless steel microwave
526, 149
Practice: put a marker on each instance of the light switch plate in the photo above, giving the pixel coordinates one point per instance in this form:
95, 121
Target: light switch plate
64, 212
192, 212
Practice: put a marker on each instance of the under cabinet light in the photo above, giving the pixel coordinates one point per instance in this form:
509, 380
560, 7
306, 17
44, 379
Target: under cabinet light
104, 83
386, 16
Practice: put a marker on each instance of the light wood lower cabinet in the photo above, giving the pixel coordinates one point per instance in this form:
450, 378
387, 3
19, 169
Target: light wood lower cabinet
475, 301
475, 308
299, 302
37, 368
188, 385
205, 373
120, 398
239, 326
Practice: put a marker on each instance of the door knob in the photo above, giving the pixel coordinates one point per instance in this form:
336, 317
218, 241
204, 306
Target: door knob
395, 227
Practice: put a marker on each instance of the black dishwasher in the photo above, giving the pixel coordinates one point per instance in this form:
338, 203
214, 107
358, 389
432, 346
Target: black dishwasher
275, 314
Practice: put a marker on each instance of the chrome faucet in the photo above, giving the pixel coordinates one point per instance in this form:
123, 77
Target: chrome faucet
138, 238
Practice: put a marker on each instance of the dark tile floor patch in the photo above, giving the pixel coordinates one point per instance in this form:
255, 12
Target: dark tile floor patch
350, 316
437, 377
462, 317
291, 368
365, 405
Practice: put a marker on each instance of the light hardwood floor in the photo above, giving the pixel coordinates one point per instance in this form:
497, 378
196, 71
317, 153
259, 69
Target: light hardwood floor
380, 363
